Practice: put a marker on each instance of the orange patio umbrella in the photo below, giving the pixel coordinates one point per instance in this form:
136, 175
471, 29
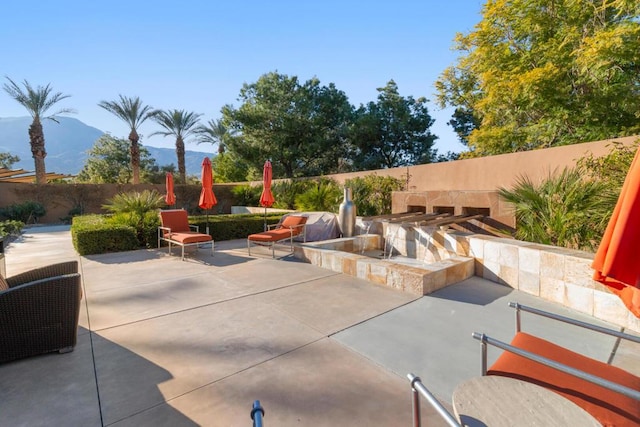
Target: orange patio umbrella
266, 198
170, 198
616, 263
207, 198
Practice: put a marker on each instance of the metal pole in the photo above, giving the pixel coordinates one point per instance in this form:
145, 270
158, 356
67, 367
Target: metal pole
417, 385
518, 325
257, 413
415, 402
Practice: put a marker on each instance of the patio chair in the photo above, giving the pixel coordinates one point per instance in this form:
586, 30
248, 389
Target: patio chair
610, 394
39, 311
290, 227
175, 230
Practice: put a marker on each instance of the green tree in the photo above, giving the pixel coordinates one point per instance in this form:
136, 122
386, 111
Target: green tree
181, 125
37, 101
536, 73
133, 112
228, 167
214, 132
301, 128
7, 160
109, 161
392, 132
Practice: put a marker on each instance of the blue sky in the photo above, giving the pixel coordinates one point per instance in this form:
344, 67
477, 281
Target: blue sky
195, 55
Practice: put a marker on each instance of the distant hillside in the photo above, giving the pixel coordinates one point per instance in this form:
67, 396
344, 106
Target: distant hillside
67, 144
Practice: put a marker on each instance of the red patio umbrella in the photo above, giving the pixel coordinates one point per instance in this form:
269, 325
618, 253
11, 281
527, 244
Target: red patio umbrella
170, 198
266, 198
207, 198
616, 262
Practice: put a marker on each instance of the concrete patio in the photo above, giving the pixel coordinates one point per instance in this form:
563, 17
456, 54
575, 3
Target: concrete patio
169, 343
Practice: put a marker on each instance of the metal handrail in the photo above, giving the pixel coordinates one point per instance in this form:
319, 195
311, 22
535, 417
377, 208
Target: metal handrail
257, 412
418, 387
629, 392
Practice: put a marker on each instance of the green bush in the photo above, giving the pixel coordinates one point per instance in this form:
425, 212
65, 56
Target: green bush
324, 196
246, 195
564, 210
11, 227
372, 193
236, 226
285, 192
146, 230
138, 210
26, 212
94, 234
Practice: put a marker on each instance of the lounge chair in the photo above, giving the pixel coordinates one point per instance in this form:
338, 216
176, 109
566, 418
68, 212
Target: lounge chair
290, 227
175, 230
610, 394
39, 311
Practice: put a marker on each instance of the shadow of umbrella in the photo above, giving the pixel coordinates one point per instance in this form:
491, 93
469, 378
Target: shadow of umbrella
266, 198
207, 198
170, 197
616, 261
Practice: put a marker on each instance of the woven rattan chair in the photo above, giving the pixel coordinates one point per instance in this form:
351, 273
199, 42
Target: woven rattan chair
39, 311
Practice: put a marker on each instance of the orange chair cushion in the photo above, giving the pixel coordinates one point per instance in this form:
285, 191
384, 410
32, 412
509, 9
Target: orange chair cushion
293, 221
271, 236
608, 407
175, 219
187, 238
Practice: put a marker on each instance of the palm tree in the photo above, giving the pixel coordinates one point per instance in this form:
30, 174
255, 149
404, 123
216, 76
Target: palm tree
214, 132
181, 124
37, 101
134, 113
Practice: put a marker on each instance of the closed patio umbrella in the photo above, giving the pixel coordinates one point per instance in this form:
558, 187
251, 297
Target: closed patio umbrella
207, 198
616, 262
266, 198
170, 198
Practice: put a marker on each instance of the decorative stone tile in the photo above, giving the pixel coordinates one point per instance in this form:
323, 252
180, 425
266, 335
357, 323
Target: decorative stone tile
552, 289
450, 243
492, 252
459, 270
609, 307
478, 265
491, 271
362, 268
349, 265
434, 280
476, 247
551, 265
529, 282
579, 298
529, 260
509, 256
463, 245
509, 276
577, 270
378, 273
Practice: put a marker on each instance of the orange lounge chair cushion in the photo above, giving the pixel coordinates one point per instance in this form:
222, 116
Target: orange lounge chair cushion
188, 237
177, 220
608, 407
271, 236
294, 221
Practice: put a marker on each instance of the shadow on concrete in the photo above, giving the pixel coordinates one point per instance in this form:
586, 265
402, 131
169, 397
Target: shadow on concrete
472, 291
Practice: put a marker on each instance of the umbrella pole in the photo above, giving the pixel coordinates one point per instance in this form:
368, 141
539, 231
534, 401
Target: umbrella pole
265, 218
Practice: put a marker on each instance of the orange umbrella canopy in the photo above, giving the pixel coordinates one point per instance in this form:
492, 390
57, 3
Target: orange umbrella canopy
207, 198
266, 198
170, 198
616, 262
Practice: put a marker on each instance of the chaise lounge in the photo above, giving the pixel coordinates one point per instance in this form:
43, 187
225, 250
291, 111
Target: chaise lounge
175, 230
290, 227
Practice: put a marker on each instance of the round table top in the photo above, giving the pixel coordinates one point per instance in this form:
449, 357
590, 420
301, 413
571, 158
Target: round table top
501, 401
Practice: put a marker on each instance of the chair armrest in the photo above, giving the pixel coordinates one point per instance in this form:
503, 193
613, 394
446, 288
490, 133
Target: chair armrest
194, 228
595, 328
53, 270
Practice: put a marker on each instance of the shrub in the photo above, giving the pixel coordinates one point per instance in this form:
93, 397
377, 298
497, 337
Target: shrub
11, 227
135, 209
94, 234
324, 196
246, 195
27, 212
372, 193
564, 210
285, 192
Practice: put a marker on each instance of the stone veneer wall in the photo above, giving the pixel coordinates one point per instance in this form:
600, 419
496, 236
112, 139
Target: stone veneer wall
556, 274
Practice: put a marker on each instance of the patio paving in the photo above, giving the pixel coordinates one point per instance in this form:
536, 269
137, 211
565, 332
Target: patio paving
164, 342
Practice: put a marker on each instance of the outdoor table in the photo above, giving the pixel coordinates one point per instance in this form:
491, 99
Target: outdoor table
500, 401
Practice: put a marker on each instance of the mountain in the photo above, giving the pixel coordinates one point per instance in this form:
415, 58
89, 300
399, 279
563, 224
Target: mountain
67, 144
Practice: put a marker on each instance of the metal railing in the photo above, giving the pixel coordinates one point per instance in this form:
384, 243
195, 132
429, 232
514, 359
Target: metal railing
417, 389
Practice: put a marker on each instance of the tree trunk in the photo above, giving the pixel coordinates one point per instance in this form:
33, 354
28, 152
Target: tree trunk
180, 153
135, 156
36, 138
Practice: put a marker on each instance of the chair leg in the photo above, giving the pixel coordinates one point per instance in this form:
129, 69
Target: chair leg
249, 246
273, 250
182, 252
212, 243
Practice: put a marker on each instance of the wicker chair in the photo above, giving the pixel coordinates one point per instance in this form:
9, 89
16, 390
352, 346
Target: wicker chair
39, 311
